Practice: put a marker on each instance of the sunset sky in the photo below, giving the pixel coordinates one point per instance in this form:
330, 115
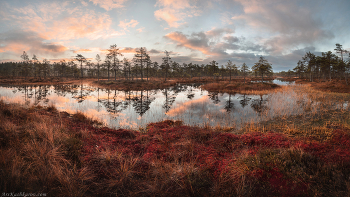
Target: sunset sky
196, 31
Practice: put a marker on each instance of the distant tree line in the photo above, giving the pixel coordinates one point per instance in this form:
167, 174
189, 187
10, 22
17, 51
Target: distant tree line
141, 66
328, 66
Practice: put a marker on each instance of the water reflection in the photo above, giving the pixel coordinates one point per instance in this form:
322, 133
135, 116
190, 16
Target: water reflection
135, 109
244, 100
278, 81
169, 99
229, 106
142, 103
259, 105
214, 96
112, 103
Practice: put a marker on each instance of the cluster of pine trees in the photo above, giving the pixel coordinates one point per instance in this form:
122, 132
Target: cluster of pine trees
325, 67
141, 66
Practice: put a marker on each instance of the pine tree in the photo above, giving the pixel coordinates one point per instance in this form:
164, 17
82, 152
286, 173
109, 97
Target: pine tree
80, 58
244, 70
140, 59
263, 67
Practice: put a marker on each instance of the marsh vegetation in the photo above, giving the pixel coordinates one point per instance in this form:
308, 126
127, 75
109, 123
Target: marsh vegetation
292, 154
174, 130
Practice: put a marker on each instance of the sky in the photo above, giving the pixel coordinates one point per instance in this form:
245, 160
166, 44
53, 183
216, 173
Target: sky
196, 31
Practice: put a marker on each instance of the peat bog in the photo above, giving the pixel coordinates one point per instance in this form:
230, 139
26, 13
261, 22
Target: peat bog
298, 146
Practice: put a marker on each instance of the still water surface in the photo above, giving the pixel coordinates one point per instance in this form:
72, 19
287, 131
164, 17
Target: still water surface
134, 109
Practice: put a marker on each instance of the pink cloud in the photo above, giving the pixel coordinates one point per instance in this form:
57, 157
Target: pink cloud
182, 40
125, 24
187, 105
59, 21
128, 50
15, 42
140, 29
170, 16
174, 4
109, 4
197, 41
89, 25
14, 47
82, 50
174, 12
84, 3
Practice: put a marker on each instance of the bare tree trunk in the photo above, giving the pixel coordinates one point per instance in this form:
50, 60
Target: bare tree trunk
141, 70
346, 78
129, 73
98, 73
115, 75
81, 69
310, 76
230, 74
108, 73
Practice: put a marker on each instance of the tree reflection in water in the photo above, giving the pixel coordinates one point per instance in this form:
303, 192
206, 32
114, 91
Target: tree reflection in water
191, 103
229, 105
190, 93
113, 104
259, 105
81, 95
142, 103
214, 96
40, 93
169, 99
245, 100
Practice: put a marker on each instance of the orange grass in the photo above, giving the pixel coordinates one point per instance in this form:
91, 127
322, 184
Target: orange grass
239, 87
335, 85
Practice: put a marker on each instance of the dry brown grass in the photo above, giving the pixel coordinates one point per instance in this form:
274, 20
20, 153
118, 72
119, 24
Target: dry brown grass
337, 86
33, 154
238, 87
302, 110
